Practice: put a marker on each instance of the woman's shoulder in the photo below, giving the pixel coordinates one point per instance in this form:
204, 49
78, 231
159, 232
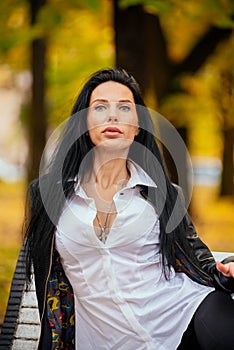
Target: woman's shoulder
38, 182
37, 186
34, 183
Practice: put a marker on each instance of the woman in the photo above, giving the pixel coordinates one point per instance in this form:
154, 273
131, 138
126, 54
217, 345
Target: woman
108, 273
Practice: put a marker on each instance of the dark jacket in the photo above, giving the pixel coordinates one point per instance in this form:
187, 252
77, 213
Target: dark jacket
54, 292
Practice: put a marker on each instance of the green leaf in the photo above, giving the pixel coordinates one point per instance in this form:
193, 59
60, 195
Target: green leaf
160, 7
128, 3
49, 16
88, 4
225, 22
157, 6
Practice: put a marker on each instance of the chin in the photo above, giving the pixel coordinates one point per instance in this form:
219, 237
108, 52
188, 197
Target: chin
115, 145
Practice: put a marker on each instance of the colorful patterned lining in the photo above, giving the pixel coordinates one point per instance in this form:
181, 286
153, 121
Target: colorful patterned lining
60, 307
184, 265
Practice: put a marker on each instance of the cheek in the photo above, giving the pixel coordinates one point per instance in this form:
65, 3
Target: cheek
132, 132
134, 125
90, 122
94, 120
135, 122
93, 134
92, 127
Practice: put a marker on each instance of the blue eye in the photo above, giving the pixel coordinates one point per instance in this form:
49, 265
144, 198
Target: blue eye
100, 108
125, 108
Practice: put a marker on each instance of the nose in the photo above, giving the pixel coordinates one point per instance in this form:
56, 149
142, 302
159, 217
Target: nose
113, 116
112, 119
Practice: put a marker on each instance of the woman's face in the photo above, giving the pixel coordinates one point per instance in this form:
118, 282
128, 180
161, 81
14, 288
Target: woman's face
112, 115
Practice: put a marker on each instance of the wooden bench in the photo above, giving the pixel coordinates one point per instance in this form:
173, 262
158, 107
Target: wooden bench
21, 327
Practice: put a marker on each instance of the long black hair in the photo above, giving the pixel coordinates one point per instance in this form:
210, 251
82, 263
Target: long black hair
47, 202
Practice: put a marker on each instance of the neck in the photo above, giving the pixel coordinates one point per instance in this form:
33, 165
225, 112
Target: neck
109, 168
113, 172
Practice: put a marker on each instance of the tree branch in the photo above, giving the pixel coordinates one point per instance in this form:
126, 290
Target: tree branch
202, 50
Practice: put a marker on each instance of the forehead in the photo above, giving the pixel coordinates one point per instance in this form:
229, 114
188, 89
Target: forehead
111, 91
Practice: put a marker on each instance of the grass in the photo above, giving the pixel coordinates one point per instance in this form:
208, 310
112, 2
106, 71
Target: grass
213, 218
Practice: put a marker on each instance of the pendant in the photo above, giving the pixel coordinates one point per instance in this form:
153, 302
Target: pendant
102, 236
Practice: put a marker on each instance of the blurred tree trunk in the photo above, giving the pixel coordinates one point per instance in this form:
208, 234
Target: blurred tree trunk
227, 181
37, 119
142, 50
225, 103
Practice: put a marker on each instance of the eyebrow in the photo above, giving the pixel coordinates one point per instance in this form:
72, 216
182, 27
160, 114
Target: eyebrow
106, 101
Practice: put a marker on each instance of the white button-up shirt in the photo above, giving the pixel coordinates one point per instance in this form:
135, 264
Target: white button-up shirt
122, 299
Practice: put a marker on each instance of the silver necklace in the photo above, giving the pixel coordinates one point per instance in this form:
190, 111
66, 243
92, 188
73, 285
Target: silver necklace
104, 229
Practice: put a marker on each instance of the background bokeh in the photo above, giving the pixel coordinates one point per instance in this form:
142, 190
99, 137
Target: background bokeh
181, 52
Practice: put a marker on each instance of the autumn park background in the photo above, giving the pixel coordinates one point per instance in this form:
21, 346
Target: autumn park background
181, 52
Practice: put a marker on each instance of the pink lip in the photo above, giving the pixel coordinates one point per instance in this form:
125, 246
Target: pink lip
111, 129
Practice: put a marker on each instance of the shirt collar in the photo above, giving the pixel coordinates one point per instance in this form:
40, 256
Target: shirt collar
138, 178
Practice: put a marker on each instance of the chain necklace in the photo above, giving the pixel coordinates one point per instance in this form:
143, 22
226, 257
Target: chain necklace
104, 229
